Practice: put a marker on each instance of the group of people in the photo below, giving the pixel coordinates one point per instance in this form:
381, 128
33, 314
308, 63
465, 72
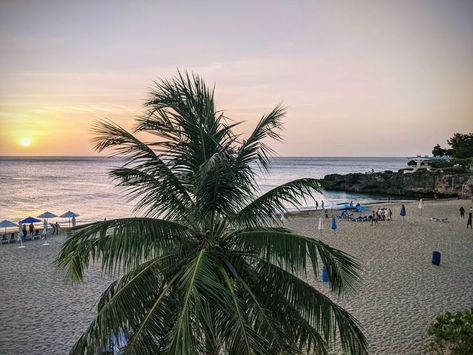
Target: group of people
322, 205
470, 216
382, 214
32, 231
55, 228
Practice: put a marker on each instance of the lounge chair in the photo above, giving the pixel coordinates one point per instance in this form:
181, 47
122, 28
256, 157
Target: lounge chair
439, 219
36, 234
12, 238
4, 239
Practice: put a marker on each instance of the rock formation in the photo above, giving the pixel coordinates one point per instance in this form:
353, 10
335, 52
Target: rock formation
418, 184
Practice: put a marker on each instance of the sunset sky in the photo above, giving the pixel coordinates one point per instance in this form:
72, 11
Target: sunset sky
359, 78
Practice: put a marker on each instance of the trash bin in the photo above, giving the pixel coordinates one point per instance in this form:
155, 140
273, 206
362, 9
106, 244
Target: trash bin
436, 258
324, 274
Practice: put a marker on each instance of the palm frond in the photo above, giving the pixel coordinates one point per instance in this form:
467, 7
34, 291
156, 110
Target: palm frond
262, 210
320, 312
148, 172
254, 149
182, 111
124, 304
294, 333
241, 337
201, 288
294, 252
119, 244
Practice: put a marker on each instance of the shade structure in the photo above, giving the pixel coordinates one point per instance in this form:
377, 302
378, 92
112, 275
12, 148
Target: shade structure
321, 224
69, 214
47, 215
7, 224
334, 223
421, 203
30, 220
346, 207
403, 211
361, 208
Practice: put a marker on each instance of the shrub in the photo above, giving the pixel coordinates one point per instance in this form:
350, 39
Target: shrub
450, 163
455, 169
411, 163
453, 333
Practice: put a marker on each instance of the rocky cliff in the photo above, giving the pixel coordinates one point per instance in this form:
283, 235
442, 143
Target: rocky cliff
419, 184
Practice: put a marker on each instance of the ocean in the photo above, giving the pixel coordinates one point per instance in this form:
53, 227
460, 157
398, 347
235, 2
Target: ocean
31, 186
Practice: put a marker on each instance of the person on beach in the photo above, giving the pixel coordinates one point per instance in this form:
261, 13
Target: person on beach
57, 228
470, 217
316, 205
462, 212
390, 214
24, 231
326, 214
74, 221
31, 228
323, 204
374, 218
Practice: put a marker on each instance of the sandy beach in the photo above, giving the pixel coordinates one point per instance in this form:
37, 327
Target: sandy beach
400, 294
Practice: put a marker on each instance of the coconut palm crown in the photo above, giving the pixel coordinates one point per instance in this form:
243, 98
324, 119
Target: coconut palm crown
208, 269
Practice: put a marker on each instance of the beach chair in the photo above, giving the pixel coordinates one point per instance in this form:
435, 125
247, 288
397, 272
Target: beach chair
439, 219
12, 238
4, 239
36, 234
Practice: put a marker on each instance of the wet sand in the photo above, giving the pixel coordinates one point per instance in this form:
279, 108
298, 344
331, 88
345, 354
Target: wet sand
400, 294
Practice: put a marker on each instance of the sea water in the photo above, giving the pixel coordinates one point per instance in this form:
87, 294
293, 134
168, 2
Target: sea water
31, 186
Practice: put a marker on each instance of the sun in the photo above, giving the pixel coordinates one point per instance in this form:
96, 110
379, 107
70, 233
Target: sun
25, 142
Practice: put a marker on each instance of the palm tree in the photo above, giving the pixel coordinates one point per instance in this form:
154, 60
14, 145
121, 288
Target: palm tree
208, 269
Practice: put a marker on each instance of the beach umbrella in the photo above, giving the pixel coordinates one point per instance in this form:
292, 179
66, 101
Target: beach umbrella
334, 223
321, 224
361, 208
7, 224
69, 215
47, 215
403, 211
421, 205
346, 207
30, 220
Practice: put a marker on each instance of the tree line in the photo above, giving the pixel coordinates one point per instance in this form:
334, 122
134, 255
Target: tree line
461, 147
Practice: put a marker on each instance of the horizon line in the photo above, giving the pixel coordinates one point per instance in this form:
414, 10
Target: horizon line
278, 156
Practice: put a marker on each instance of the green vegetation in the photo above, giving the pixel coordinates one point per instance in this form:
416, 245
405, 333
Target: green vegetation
209, 268
461, 146
411, 163
453, 333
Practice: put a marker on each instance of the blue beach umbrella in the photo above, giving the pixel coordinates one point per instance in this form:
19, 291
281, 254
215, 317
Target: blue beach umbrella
47, 215
346, 207
69, 215
334, 223
403, 210
361, 208
30, 220
7, 224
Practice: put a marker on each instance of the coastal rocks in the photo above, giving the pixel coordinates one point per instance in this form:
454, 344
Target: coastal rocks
418, 184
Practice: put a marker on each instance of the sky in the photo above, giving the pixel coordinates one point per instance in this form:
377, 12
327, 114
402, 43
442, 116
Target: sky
359, 78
